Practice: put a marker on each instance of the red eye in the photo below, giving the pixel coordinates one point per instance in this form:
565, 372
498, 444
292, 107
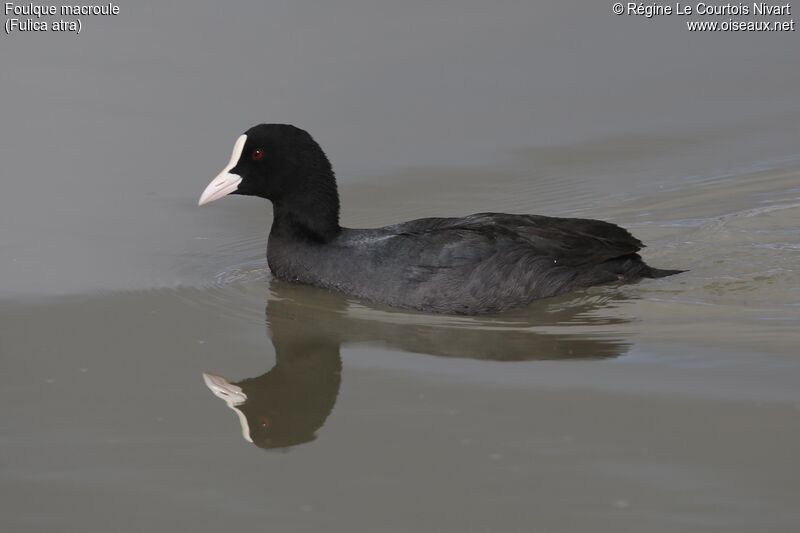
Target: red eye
258, 154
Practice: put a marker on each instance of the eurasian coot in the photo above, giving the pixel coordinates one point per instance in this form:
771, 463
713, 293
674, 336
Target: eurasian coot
481, 263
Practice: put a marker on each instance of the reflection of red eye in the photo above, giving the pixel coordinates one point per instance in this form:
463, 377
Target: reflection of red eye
258, 154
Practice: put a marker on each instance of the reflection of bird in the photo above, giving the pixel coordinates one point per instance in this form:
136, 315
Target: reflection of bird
481, 263
288, 404
311, 313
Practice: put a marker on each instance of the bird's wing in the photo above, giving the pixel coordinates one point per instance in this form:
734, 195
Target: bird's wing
571, 241
449, 242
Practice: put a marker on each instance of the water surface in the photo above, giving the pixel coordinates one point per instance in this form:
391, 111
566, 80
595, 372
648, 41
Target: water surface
669, 405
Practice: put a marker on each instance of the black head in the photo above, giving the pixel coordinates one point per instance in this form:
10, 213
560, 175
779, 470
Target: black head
284, 164
272, 161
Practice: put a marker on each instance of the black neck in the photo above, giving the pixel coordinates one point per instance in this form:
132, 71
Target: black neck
311, 215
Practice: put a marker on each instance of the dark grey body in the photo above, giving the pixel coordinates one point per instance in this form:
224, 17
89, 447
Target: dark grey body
483, 263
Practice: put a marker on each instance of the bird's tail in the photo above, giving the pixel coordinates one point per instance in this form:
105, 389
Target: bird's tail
661, 272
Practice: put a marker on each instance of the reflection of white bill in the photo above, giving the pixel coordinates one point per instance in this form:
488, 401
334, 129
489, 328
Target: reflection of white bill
232, 395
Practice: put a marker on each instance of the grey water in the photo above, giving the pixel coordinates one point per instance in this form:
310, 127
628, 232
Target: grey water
154, 376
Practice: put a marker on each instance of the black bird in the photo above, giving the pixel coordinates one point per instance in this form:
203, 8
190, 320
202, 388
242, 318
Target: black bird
481, 263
